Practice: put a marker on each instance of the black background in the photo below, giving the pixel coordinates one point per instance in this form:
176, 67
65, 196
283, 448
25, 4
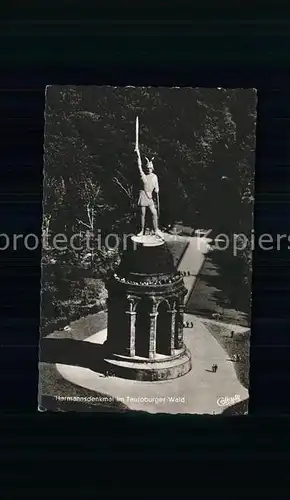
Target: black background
222, 51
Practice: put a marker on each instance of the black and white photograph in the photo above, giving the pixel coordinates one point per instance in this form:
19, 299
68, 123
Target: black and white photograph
147, 241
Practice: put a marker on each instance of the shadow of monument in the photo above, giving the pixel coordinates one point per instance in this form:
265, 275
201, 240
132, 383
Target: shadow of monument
83, 354
73, 352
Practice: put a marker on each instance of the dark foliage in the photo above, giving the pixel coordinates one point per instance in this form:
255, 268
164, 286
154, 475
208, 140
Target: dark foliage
203, 141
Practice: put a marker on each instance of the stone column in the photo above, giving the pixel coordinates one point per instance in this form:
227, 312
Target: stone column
172, 313
131, 313
132, 322
179, 339
152, 331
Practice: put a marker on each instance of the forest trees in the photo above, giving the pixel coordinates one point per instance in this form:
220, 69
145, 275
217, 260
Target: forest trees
203, 141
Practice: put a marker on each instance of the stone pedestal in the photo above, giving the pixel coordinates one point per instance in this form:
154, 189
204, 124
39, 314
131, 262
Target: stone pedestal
145, 315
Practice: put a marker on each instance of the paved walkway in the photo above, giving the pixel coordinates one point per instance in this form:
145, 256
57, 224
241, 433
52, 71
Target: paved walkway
199, 392
192, 260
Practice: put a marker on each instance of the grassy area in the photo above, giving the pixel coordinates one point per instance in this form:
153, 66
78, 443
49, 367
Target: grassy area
240, 408
53, 388
67, 300
82, 328
239, 345
213, 294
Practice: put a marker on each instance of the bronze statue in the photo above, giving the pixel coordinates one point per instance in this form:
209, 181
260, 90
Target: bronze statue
149, 186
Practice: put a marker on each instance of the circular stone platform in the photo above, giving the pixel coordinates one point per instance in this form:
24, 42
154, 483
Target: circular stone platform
148, 240
199, 391
153, 370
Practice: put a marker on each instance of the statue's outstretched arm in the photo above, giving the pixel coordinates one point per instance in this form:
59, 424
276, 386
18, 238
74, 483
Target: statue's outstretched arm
139, 163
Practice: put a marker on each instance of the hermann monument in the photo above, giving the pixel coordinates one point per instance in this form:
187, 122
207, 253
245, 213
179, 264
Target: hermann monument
146, 300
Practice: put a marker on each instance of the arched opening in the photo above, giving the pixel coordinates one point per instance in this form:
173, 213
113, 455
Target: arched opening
142, 328
118, 325
163, 335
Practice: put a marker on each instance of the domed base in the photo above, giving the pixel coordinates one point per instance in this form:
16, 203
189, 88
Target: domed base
142, 369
